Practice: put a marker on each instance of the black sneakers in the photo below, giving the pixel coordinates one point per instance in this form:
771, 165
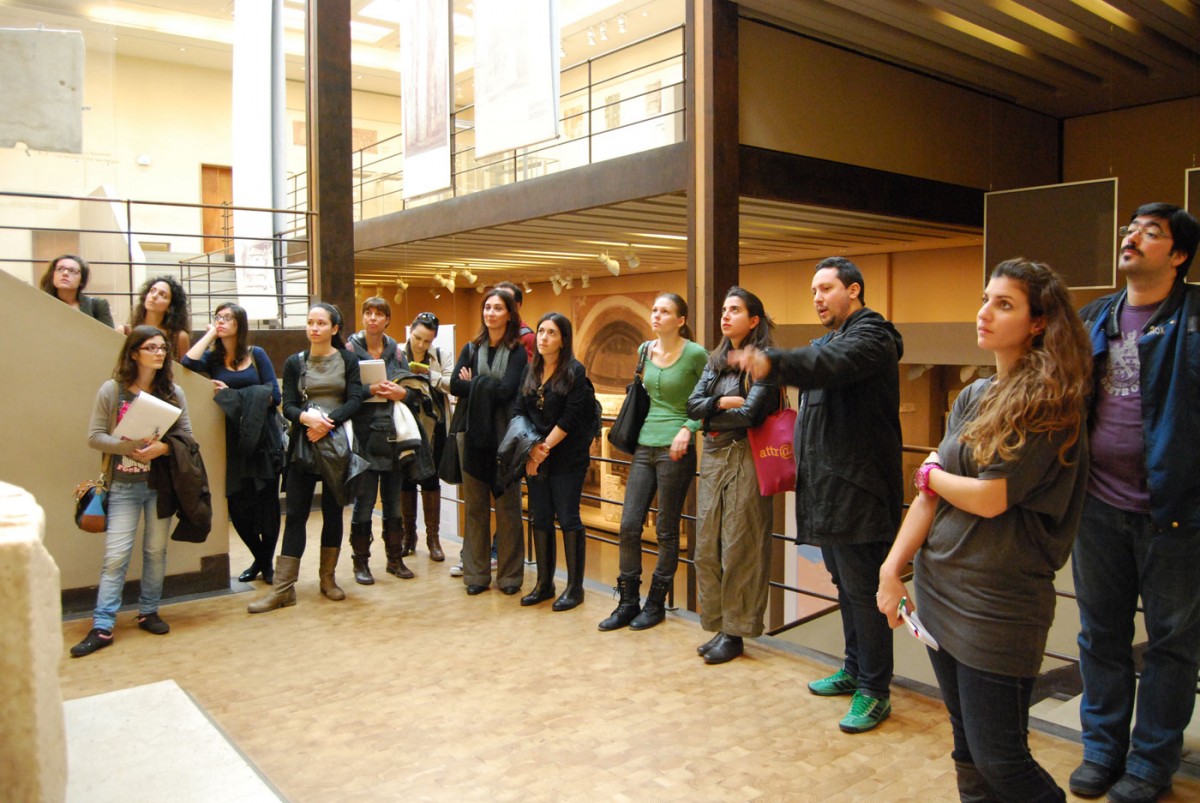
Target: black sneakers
95, 639
153, 623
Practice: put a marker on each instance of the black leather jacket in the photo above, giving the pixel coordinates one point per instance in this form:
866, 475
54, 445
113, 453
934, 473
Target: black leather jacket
723, 427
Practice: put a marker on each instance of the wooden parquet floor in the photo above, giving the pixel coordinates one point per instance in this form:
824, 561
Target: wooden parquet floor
411, 690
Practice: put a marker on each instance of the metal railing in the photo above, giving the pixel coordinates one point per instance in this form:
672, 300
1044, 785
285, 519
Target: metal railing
608, 111
125, 241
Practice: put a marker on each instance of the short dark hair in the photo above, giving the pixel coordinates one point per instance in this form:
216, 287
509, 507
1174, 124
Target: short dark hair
1185, 230
848, 274
512, 289
378, 304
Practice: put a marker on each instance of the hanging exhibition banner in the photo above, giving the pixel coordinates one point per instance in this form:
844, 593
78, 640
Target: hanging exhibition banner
252, 139
425, 95
516, 74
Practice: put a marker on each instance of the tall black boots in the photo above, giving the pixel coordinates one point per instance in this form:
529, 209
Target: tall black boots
575, 547
408, 517
544, 552
431, 505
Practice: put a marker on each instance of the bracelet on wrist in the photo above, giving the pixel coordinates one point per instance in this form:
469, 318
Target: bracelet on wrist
921, 477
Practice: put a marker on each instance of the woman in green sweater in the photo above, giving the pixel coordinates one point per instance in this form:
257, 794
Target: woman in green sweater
664, 462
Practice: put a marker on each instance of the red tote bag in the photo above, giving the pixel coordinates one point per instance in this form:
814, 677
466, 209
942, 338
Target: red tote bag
774, 457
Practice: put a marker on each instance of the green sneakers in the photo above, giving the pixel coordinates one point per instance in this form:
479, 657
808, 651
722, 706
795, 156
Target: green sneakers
865, 713
840, 682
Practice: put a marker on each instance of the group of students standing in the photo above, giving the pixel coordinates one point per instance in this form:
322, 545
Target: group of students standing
997, 512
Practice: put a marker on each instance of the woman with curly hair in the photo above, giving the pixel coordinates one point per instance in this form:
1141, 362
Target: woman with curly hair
162, 303
65, 278
994, 519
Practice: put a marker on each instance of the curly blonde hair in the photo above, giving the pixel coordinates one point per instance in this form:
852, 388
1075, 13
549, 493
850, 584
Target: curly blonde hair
1045, 389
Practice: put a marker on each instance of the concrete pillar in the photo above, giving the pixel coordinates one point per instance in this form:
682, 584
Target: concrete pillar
33, 759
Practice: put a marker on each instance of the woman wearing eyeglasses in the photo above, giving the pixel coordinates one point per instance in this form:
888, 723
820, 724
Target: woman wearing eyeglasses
558, 399
428, 359
321, 392
245, 387
143, 366
65, 278
162, 303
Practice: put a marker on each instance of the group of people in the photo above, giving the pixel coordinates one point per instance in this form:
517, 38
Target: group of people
1083, 443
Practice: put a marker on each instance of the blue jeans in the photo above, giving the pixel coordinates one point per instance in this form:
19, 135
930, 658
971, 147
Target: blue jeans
556, 496
1119, 556
989, 715
652, 470
855, 572
128, 502
389, 485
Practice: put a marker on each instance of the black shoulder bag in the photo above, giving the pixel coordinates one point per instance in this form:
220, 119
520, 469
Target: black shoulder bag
625, 430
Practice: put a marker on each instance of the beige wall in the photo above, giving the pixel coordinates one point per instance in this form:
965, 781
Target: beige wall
798, 96
52, 375
1147, 148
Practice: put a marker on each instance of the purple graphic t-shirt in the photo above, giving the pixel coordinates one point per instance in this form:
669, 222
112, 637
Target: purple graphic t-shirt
1118, 475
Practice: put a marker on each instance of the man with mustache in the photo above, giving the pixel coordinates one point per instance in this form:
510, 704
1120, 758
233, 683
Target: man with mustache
1140, 534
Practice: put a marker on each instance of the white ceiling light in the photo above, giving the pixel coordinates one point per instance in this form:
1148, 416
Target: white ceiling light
632, 258
584, 279
469, 276
527, 288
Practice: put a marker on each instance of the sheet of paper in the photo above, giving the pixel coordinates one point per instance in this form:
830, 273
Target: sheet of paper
913, 622
148, 418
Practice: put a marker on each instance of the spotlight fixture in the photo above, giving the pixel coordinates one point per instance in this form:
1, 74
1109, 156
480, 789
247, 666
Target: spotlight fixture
469, 276
603, 32
591, 37
378, 291
556, 284
433, 291
479, 288
584, 279
610, 264
527, 288
403, 285
632, 259
621, 23
566, 282
444, 282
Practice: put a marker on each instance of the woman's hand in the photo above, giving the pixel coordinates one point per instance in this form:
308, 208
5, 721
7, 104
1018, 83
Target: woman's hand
465, 374
750, 359
531, 468
218, 385
389, 390
680, 444
539, 452
887, 599
149, 450
318, 424
730, 402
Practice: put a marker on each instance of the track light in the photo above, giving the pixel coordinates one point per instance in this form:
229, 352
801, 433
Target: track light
403, 285
584, 279
632, 259
612, 265
556, 285
479, 288
433, 291
567, 282
621, 23
469, 276
603, 32
444, 282
591, 37
378, 291
527, 288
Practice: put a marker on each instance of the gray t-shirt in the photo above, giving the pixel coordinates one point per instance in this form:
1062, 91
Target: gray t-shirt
985, 587
325, 381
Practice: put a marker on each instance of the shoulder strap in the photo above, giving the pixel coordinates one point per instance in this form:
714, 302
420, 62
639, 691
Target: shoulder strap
641, 366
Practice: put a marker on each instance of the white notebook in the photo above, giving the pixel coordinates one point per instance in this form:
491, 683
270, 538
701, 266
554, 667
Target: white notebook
148, 418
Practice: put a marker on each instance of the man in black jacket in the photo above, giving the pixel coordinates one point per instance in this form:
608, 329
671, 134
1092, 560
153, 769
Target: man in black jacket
849, 488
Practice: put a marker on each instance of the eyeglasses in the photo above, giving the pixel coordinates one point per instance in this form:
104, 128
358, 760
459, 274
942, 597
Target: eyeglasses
154, 349
223, 318
67, 269
428, 319
1151, 231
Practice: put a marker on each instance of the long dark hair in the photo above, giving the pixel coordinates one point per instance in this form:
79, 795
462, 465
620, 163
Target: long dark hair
126, 370
560, 380
759, 336
335, 318
1044, 390
512, 332
242, 344
175, 319
681, 311
47, 282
